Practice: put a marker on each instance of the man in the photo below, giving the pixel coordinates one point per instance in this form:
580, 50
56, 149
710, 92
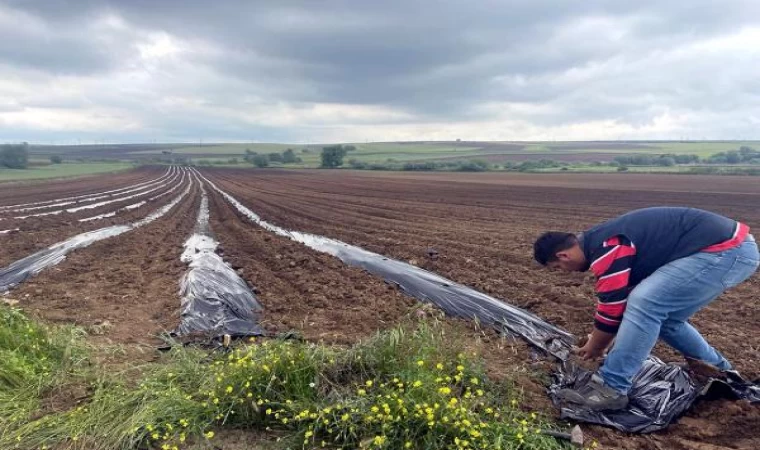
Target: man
655, 268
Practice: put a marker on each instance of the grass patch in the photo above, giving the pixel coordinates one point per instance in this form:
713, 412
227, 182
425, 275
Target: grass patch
34, 361
411, 387
65, 170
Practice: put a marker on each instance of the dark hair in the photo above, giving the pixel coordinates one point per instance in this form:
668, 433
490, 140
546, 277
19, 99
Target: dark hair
548, 244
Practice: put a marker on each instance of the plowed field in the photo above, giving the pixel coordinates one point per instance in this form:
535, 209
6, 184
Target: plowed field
481, 225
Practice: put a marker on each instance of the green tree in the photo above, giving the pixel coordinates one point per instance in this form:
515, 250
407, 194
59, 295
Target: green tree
261, 161
56, 159
249, 155
667, 161
289, 157
332, 156
14, 156
733, 157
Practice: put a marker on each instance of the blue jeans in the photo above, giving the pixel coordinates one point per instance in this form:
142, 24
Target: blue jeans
661, 305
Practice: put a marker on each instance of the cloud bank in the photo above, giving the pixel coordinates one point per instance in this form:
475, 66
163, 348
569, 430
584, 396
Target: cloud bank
288, 71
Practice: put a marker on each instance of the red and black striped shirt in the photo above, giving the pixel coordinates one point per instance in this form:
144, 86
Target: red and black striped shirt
612, 267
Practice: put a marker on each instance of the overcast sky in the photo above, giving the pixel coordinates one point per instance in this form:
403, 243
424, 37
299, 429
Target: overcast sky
379, 70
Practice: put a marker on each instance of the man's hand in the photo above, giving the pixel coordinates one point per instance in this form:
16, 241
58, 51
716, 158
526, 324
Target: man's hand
597, 343
588, 351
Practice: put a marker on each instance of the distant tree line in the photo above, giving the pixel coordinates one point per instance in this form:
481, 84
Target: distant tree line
427, 166
744, 155
263, 159
333, 156
14, 156
666, 160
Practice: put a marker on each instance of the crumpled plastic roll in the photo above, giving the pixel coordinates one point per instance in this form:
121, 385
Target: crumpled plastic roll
215, 301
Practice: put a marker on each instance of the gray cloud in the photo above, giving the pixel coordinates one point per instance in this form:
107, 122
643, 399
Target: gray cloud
263, 68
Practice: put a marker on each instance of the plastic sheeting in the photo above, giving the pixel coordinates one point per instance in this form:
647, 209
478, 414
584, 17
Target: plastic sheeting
113, 213
215, 300
660, 393
47, 202
91, 197
21, 270
113, 199
453, 298
138, 204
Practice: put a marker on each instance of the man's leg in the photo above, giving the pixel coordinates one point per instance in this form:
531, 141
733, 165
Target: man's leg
637, 335
659, 307
741, 262
683, 337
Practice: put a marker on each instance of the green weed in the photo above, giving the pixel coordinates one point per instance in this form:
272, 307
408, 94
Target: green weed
410, 387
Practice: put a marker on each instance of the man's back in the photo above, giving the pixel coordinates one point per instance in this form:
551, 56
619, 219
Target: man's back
661, 235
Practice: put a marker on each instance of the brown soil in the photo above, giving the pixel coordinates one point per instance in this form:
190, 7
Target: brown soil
16, 192
302, 289
37, 233
483, 231
125, 288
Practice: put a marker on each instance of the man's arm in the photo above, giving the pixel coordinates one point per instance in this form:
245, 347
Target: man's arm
612, 267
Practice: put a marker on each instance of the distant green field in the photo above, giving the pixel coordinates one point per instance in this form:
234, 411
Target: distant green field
402, 152
65, 170
380, 150
416, 151
370, 153
224, 149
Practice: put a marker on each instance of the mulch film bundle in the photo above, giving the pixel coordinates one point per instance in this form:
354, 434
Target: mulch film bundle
215, 300
660, 393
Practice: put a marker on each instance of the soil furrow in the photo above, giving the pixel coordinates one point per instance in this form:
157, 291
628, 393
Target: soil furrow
36, 233
483, 229
125, 287
301, 289
14, 193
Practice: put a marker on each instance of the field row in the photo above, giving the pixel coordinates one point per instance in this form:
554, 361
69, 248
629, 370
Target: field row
480, 232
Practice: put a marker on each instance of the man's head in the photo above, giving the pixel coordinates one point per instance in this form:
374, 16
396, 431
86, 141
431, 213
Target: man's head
560, 250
